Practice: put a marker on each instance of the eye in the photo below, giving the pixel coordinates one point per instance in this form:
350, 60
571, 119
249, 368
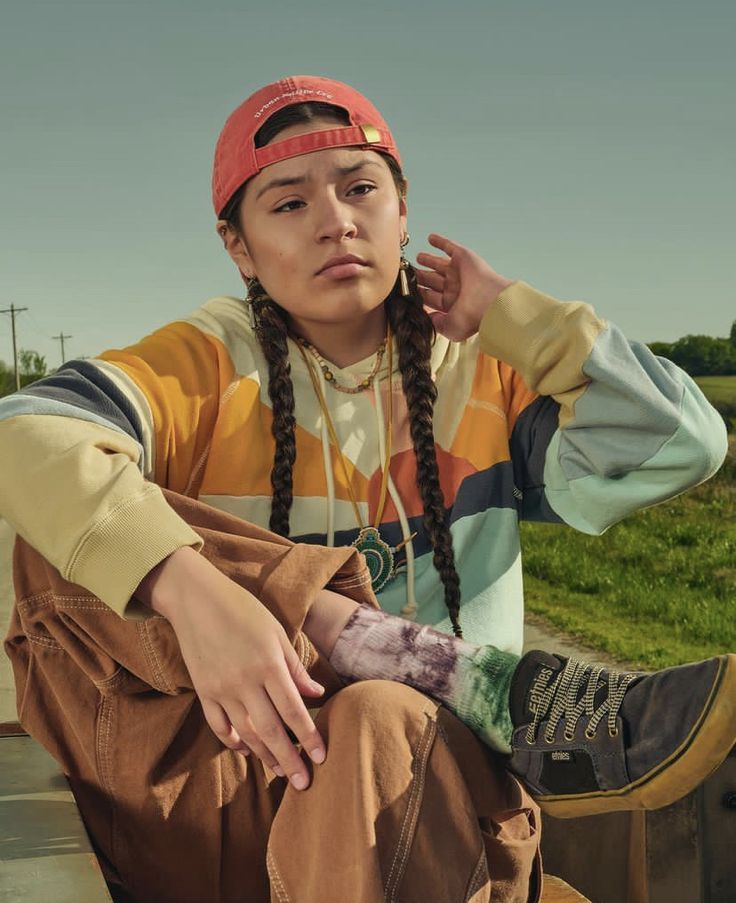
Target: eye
364, 185
287, 207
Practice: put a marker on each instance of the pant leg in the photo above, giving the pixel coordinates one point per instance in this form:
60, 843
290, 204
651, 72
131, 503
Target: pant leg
174, 815
409, 806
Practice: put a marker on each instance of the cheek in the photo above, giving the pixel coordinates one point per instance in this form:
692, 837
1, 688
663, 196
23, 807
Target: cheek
276, 264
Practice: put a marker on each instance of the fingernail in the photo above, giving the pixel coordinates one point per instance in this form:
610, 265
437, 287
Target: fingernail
277, 769
318, 687
317, 755
299, 781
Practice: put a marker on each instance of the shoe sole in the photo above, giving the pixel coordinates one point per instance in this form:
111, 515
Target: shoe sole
705, 748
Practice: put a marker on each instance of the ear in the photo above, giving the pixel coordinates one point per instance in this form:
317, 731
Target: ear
403, 214
234, 244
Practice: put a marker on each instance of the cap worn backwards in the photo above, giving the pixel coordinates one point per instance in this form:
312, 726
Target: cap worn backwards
237, 158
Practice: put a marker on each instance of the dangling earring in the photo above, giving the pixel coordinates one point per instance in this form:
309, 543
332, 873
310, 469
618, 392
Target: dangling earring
403, 267
250, 284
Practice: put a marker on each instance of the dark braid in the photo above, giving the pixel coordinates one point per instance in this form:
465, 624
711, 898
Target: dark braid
415, 335
271, 330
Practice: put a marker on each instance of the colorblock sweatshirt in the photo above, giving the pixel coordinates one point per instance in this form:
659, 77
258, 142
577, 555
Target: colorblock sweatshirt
547, 414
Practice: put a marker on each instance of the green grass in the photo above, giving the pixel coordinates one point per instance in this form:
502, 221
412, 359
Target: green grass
718, 389
655, 590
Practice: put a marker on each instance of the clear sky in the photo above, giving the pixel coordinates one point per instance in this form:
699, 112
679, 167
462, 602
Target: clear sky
586, 147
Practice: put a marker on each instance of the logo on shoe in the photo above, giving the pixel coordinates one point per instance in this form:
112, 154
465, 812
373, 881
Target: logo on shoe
563, 757
538, 689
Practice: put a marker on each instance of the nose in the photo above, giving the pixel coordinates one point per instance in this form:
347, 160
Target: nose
335, 219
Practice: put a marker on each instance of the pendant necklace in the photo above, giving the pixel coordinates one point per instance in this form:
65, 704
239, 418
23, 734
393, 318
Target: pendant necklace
378, 553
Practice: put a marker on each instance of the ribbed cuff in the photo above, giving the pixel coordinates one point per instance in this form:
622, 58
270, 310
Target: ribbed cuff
113, 557
534, 333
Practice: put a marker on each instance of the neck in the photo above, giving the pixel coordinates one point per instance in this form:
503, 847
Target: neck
344, 344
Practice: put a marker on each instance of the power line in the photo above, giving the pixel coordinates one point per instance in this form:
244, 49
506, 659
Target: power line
61, 338
13, 310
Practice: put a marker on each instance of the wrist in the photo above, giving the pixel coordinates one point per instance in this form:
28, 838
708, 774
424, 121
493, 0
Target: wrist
164, 585
497, 285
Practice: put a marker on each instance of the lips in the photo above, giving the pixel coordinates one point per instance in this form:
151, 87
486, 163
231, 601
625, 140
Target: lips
345, 260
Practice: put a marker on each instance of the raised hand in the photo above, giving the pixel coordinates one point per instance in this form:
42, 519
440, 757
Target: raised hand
458, 287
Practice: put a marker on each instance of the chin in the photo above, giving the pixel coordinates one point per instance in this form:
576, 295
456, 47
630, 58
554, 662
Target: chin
337, 305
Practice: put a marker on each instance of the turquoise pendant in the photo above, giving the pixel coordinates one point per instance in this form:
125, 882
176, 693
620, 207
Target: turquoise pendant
379, 556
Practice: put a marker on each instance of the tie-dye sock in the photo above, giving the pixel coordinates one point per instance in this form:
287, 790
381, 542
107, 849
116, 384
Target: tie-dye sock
471, 681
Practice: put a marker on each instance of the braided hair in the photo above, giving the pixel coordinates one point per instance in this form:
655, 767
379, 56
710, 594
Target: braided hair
415, 335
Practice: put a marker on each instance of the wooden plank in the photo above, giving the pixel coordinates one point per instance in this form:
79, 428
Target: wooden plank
555, 890
638, 879
718, 829
591, 853
12, 729
674, 856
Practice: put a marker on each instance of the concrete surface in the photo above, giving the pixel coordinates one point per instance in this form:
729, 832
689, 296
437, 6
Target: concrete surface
45, 854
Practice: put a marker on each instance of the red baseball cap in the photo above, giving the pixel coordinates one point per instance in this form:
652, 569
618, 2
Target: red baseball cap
237, 159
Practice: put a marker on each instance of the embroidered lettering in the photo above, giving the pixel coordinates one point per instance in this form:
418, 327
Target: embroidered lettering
562, 756
298, 92
539, 689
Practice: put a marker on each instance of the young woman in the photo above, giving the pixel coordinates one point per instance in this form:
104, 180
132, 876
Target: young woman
192, 510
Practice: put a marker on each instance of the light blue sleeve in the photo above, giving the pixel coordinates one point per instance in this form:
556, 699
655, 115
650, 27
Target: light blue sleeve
641, 432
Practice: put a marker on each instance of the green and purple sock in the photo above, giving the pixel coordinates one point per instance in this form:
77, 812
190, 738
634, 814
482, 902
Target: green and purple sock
472, 681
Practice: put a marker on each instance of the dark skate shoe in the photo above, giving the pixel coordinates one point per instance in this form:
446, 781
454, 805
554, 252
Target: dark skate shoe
588, 739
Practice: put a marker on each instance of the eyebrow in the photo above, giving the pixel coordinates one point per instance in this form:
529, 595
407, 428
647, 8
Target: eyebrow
300, 180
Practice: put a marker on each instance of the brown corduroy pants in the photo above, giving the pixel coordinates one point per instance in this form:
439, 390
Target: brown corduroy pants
408, 806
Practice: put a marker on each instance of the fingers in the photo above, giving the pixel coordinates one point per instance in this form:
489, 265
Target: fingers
438, 319
431, 280
291, 708
443, 243
270, 731
222, 728
431, 298
440, 264
243, 725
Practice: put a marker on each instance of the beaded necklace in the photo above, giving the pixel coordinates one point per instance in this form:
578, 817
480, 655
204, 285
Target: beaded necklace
330, 376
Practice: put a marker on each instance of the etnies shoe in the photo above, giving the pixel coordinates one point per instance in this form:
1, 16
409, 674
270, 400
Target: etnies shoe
589, 740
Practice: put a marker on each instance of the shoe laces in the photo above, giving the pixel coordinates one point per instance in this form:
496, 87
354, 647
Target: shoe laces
561, 696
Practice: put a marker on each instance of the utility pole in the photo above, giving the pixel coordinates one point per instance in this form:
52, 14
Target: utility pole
61, 338
13, 310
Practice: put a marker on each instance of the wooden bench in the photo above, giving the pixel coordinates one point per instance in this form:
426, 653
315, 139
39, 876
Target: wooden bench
558, 891
45, 853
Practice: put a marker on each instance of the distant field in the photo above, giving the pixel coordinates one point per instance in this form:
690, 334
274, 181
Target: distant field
657, 589
718, 388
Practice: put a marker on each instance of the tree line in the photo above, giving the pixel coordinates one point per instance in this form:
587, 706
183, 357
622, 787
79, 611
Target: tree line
701, 355
31, 366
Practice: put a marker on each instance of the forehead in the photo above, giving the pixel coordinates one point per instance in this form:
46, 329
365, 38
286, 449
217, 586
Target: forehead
318, 165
